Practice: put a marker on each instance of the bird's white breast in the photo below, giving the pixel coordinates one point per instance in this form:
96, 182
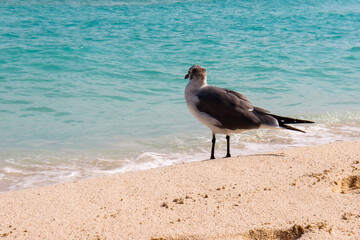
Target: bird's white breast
192, 100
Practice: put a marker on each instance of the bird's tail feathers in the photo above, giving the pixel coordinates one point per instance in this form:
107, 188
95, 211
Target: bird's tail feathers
286, 120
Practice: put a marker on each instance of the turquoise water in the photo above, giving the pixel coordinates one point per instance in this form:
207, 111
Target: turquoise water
91, 88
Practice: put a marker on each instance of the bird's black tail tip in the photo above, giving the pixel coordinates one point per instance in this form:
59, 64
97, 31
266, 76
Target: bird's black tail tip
288, 120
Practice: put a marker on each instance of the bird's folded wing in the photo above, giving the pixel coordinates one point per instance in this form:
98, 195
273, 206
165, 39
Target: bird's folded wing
230, 108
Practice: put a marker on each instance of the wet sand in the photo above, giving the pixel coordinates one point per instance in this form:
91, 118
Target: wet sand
308, 193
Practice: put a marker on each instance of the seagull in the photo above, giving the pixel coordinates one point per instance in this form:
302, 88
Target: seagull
225, 111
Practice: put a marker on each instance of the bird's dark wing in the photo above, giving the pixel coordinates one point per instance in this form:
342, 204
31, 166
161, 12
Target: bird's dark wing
231, 109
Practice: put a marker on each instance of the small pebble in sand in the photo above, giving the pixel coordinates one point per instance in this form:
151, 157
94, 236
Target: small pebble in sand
348, 216
165, 205
178, 200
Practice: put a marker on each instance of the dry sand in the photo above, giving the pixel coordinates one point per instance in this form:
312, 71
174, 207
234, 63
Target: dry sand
306, 193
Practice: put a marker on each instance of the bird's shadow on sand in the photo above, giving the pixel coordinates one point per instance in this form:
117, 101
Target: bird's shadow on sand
255, 155
269, 155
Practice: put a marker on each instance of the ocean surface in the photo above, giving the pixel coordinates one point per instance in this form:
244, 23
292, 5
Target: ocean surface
93, 88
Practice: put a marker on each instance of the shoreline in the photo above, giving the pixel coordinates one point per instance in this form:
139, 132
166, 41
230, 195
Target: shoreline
32, 166
308, 191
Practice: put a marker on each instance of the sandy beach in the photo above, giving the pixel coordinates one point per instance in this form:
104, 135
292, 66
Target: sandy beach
304, 193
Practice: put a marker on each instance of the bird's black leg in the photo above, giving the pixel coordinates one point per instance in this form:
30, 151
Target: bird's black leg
228, 146
213, 146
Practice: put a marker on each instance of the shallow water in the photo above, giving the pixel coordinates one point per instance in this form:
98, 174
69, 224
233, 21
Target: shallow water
94, 88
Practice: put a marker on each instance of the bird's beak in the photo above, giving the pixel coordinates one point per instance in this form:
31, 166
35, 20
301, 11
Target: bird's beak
186, 76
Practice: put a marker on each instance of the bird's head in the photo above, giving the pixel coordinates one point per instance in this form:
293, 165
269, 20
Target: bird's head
196, 73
